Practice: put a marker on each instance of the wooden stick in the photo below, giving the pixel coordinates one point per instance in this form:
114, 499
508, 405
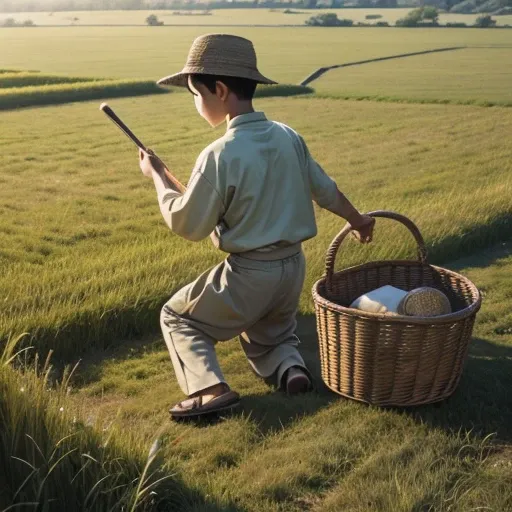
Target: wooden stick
117, 121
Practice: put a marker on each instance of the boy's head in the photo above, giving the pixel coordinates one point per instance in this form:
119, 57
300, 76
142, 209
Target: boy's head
216, 96
221, 69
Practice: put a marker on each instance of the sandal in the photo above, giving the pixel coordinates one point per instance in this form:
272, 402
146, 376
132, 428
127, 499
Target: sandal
193, 407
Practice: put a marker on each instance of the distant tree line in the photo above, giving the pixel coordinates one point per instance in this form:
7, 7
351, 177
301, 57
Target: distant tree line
105, 5
421, 17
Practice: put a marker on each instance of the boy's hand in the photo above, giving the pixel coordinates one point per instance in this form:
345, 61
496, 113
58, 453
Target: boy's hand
363, 228
149, 162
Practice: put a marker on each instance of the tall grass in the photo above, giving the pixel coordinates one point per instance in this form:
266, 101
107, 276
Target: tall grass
51, 460
18, 97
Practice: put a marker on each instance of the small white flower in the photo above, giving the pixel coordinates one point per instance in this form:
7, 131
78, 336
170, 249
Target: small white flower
22, 390
61, 409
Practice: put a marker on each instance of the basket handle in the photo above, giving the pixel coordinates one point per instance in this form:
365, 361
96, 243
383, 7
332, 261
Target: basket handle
335, 244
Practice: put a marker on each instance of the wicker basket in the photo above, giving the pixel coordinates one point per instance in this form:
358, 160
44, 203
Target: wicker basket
392, 360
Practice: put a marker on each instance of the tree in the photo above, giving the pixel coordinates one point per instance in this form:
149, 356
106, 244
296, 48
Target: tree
430, 13
153, 21
310, 4
412, 19
328, 20
485, 22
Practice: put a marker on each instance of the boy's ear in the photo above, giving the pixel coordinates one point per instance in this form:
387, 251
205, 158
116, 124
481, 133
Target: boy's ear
221, 90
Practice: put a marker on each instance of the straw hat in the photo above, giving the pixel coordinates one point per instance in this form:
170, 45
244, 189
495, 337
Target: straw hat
219, 54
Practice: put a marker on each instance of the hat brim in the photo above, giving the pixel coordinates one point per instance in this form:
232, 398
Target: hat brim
181, 79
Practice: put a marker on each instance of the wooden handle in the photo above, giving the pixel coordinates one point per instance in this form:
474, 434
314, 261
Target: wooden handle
116, 120
335, 244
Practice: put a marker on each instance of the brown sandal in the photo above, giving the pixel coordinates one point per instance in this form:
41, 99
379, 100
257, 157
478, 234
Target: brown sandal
193, 407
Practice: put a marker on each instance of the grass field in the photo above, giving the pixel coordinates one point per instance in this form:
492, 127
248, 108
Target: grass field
20, 89
472, 75
87, 262
323, 453
78, 207
313, 453
227, 17
144, 53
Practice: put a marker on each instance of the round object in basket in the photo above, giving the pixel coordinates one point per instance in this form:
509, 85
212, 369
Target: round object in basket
389, 360
424, 301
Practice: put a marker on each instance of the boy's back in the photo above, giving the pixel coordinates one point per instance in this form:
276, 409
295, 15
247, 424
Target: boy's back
263, 181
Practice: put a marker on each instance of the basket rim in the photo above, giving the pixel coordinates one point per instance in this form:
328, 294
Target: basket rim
320, 300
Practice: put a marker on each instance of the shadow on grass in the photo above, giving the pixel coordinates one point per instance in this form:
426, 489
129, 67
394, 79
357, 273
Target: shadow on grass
481, 403
277, 410
484, 258
477, 238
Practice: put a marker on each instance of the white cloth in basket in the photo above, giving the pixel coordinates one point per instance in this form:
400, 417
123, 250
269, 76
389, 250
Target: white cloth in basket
382, 300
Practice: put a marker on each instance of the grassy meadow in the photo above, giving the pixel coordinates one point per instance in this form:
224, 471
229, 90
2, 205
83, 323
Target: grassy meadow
149, 53
81, 231
469, 75
87, 263
313, 453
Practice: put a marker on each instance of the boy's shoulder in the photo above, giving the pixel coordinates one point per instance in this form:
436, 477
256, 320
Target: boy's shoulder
229, 143
215, 147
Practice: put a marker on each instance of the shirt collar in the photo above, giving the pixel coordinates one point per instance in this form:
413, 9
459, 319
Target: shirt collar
246, 118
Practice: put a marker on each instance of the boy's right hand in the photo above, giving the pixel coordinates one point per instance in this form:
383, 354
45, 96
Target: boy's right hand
363, 228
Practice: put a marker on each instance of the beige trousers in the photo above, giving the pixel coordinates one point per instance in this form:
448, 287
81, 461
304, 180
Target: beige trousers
256, 300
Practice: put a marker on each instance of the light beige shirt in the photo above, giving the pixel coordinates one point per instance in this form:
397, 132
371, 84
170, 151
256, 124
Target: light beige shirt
251, 189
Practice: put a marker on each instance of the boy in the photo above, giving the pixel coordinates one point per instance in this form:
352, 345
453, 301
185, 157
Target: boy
251, 191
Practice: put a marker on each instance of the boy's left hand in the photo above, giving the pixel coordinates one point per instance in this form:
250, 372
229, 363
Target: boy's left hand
149, 162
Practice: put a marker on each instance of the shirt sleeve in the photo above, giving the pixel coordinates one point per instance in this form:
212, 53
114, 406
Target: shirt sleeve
194, 214
323, 188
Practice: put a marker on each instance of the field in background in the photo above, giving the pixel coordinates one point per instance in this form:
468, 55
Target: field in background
469, 75
145, 53
228, 17
22, 89
27, 89
87, 262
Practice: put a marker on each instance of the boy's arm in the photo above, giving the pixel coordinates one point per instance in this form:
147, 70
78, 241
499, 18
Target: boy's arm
192, 213
327, 195
362, 224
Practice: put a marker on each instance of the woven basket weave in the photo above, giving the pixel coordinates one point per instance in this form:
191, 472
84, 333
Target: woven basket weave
392, 360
